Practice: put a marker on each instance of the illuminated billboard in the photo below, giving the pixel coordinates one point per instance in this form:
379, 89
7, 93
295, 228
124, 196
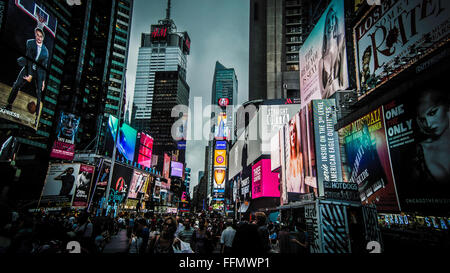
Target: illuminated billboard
83, 186
64, 145
144, 154
365, 160
323, 56
166, 167
120, 184
177, 169
264, 182
418, 135
127, 139
389, 37
219, 178
220, 158
138, 182
26, 50
59, 185
221, 128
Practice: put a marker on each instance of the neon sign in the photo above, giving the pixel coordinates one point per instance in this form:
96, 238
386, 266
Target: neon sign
159, 32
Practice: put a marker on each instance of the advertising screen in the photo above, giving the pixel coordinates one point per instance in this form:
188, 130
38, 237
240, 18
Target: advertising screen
295, 182
102, 176
64, 145
221, 145
323, 56
120, 183
264, 182
235, 164
127, 139
59, 185
220, 158
418, 135
389, 36
145, 149
221, 129
308, 145
26, 52
219, 178
365, 160
326, 143
83, 186
138, 182
166, 167
177, 169
272, 118
253, 139
275, 152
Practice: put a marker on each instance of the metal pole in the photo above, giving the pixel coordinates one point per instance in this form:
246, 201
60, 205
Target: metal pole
113, 161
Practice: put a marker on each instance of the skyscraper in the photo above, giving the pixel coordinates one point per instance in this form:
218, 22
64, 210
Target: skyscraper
278, 28
163, 49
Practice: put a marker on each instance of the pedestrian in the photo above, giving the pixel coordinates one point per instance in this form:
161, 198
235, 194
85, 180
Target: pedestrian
84, 232
227, 237
186, 233
164, 242
263, 231
201, 239
247, 241
134, 244
145, 234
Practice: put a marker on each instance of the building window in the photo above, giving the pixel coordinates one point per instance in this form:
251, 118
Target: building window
255, 12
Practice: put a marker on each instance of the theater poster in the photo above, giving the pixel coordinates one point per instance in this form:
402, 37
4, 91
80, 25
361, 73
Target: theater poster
83, 186
365, 160
418, 134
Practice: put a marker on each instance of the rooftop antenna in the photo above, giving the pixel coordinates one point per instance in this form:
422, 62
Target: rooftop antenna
167, 20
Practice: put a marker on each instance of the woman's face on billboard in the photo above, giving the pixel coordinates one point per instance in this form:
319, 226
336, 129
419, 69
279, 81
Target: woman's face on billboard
293, 135
432, 115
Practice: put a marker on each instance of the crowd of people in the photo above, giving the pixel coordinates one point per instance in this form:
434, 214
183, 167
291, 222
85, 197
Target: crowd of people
203, 233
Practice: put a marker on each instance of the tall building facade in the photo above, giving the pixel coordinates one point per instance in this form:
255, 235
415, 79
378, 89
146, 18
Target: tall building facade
163, 49
278, 28
224, 92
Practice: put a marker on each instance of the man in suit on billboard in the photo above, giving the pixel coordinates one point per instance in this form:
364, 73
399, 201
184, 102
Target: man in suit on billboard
32, 70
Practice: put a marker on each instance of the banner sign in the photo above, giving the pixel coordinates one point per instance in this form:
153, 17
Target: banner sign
64, 145
83, 188
390, 36
341, 191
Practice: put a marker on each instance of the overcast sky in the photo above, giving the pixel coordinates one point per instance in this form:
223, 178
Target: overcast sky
219, 31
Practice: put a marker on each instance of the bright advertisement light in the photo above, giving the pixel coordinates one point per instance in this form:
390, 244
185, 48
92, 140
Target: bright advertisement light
264, 182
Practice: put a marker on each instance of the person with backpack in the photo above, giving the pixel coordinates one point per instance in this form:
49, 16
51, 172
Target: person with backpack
263, 231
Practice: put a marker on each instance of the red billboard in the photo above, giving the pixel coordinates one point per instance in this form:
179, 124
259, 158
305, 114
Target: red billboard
144, 155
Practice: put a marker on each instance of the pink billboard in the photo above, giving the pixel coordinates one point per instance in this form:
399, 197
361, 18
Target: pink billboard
264, 182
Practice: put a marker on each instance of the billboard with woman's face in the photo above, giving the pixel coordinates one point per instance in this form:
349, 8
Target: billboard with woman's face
64, 145
418, 135
323, 56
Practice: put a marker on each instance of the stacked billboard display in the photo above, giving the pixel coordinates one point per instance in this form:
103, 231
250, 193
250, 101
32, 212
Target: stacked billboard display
127, 139
67, 185
144, 154
64, 145
323, 56
264, 182
392, 34
26, 49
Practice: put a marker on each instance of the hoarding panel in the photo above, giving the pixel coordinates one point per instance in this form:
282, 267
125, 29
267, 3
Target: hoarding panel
59, 185
83, 186
64, 145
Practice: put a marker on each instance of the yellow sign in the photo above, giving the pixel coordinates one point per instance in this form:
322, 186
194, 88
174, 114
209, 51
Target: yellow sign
219, 176
220, 158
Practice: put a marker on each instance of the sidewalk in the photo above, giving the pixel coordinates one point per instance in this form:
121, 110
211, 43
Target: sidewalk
118, 243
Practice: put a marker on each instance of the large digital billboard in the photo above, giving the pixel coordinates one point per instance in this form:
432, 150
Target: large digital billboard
64, 145
83, 186
264, 182
389, 37
144, 154
221, 128
418, 135
323, 56
120, 184
59, 185
220, 158
275, 150
365, 160
127, 139
26, 51
138, 182
176, 169
166, 167
235, 158
219, 178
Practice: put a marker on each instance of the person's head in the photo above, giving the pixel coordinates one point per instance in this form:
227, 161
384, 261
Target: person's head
260, 218
69, 125
39, 35
70, 170
432, 112
169, 228
331, 31
187, 223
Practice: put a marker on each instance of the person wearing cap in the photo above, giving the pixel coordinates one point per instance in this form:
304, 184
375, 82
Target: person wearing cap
33, 68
